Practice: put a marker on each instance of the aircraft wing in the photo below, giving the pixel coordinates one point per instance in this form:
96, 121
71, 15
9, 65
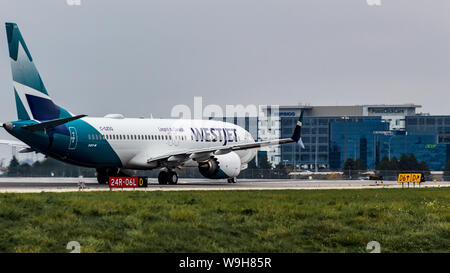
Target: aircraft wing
205, 153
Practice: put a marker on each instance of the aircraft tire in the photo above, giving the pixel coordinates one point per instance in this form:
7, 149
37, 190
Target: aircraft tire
162, 178
102, 177
172, 178
232, 180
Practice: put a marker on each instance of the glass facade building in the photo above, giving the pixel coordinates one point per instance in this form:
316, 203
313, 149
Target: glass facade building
424, 147
316, 135
439, 125
356, 139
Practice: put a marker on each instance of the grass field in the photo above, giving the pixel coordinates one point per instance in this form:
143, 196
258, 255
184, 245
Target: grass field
401, 220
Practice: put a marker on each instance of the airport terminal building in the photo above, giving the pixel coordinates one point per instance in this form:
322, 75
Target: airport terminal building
332, 134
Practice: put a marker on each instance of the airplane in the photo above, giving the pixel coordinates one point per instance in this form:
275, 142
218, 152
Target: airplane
118, 146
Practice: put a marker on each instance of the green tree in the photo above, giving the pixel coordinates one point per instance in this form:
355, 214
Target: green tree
25, 170
394, 164
413, 164
13, 168
423, 167
383, 165
280, 170
403, 164
264, 163
359, 165
252, 165
349, 165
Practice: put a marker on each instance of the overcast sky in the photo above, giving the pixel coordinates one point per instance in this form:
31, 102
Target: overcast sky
142, 57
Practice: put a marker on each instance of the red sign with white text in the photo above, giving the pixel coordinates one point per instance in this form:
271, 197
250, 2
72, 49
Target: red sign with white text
127, 182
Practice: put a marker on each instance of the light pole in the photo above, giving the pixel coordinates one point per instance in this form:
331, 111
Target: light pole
345, 136
315, 159
389, 145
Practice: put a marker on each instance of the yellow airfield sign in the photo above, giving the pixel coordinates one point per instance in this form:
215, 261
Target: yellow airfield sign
410, 177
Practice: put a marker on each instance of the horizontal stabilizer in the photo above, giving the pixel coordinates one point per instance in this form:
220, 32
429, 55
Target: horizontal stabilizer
26, 150
52, 123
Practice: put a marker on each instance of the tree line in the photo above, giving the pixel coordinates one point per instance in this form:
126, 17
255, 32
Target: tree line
46, 168
406, 163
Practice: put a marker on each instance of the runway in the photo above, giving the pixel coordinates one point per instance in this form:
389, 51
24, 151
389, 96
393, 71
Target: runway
36, 185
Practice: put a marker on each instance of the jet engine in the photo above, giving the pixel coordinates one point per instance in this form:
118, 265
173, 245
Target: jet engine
221, 166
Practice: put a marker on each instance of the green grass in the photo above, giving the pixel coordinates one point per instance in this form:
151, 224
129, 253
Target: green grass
402, 220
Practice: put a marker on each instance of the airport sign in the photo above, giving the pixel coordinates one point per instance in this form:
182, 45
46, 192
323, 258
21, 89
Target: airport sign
410, 178
128, 182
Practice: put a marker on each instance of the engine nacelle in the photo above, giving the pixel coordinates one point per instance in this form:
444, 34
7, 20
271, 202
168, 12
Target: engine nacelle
221, 166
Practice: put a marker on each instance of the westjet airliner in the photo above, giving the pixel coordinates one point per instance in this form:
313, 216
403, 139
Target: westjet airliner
116, 146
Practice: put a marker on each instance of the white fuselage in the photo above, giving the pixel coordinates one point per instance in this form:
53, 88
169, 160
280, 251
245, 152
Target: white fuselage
138, 140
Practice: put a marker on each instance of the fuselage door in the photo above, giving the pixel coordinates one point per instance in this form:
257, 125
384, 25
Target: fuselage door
73, 138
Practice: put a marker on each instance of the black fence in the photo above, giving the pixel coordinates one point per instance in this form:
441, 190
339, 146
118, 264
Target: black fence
245, 174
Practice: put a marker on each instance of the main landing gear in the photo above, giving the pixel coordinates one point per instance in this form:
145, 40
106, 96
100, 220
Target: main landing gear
103, 174
167, 177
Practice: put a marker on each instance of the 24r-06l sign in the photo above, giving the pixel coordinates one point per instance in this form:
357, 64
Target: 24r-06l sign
128, 182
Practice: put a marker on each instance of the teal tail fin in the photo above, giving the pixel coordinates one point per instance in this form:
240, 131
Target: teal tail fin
32, 99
